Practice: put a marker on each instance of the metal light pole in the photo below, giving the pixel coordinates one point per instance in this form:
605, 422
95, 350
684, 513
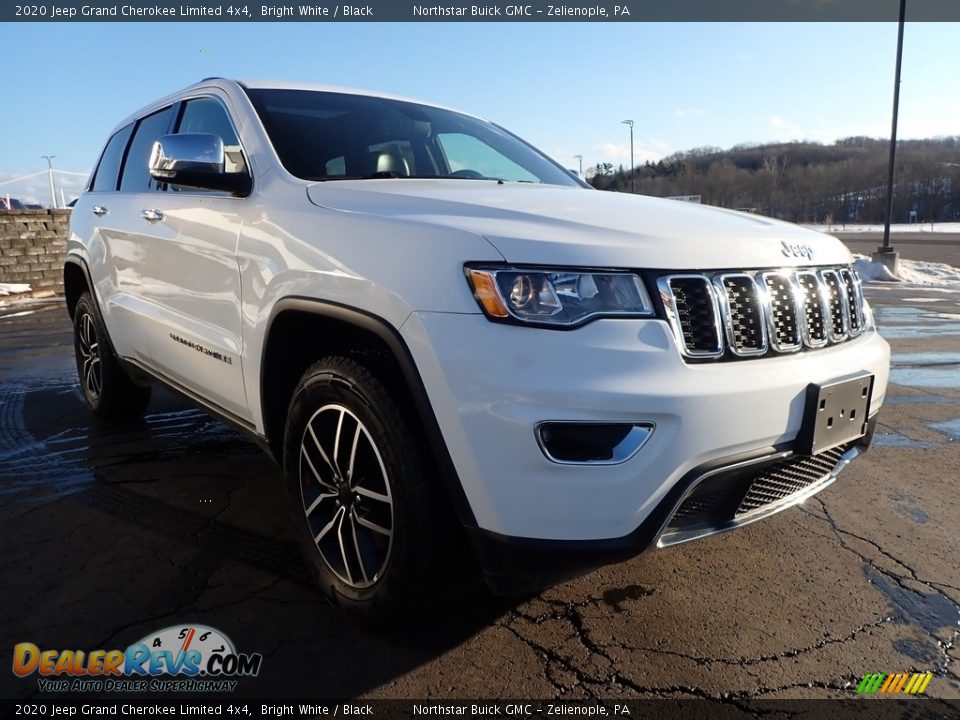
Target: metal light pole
630, 123
885, 253
53, 192
580, 159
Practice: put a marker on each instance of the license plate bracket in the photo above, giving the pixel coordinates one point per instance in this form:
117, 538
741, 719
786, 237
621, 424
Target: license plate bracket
835, 413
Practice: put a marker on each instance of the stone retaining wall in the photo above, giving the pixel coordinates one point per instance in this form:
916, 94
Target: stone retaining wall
33, 244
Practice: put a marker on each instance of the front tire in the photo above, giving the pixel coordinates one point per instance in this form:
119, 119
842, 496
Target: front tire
366, 513
107, 389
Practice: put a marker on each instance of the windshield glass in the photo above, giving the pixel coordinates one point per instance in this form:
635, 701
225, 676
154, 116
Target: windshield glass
337, 136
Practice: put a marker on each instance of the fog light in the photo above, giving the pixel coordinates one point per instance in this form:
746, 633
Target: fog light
575, 443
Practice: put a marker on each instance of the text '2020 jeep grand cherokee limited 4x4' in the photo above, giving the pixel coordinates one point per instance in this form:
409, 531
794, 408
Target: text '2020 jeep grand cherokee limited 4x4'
456, 349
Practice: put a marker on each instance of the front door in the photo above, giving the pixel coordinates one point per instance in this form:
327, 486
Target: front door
186, 267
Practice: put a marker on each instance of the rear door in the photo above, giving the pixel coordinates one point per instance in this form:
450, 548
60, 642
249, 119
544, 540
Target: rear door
98, 218
186, 265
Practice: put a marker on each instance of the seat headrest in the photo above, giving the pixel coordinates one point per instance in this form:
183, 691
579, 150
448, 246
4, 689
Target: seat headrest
389, 161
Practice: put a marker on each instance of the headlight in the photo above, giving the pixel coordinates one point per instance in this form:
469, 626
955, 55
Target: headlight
557, 297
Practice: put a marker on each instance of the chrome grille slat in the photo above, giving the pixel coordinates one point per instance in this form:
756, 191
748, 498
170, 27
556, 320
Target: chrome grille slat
783, 312
815, 308
742, 309
838, 305
759, 312
854, 301
692, 309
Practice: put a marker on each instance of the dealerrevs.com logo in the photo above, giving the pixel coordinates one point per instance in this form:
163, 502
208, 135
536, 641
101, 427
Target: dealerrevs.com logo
181, 658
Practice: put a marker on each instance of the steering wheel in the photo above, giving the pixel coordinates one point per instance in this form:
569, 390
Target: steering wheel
469, 174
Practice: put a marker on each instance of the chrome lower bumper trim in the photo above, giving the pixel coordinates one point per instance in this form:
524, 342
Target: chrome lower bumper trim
668, 539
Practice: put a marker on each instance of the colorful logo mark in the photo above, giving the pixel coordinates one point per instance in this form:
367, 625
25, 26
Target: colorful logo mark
191, 650
908, 683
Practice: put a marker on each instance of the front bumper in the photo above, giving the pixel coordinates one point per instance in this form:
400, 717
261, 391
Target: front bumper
491, 384
518, 566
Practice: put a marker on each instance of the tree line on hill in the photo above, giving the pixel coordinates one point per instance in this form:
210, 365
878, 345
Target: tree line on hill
809, 182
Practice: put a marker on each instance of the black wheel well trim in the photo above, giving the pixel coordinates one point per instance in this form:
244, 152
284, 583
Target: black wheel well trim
390, 336
78, 261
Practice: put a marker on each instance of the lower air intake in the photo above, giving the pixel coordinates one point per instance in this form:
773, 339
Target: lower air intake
735, 495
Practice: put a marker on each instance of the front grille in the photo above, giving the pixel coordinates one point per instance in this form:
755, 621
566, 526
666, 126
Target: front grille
789, 477
747, 314
729, 497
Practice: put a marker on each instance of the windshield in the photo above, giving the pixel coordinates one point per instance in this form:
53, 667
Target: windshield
337, 136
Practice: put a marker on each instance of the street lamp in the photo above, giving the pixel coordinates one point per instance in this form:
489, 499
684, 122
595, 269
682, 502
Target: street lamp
630, 124
580, 159
885, 253
53, 192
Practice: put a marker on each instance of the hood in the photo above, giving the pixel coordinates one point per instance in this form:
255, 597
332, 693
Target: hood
550, 225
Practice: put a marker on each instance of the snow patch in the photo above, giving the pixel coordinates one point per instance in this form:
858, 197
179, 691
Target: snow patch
13, 288
912, 272
895, 228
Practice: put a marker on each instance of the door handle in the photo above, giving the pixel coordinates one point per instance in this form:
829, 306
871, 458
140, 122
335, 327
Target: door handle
98, 210
151, 216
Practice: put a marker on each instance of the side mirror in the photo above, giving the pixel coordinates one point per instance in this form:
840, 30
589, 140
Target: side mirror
195, 160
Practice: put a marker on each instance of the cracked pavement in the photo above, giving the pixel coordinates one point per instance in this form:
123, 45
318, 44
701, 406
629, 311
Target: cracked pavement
113, 532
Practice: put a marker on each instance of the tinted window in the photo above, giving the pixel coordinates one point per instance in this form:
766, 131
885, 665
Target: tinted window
208, 115
338, 136
105, 178
136, 177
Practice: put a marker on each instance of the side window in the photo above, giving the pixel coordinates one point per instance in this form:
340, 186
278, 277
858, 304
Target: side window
105, 176
136, 176
207, 115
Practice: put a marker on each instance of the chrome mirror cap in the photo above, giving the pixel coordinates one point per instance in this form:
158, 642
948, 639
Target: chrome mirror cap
195, 160
193, 152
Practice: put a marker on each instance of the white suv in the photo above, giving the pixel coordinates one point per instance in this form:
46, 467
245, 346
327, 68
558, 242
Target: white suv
454, 347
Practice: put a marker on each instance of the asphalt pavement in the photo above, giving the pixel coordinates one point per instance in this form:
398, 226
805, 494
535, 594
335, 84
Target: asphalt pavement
112, 532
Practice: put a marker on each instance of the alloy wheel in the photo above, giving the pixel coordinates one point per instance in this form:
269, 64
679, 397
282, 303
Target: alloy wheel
91, 371
347, 500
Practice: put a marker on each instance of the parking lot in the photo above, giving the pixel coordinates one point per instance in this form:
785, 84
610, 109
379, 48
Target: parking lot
110, 533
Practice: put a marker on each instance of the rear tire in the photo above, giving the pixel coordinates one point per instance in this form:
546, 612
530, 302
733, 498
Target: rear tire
368, 518
107, 389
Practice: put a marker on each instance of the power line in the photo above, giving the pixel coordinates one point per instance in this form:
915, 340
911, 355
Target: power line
22, 177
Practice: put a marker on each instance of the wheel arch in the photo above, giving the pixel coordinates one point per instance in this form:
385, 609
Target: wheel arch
76, 280
301, 330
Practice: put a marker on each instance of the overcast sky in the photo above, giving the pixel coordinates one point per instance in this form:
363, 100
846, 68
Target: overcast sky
564, 87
